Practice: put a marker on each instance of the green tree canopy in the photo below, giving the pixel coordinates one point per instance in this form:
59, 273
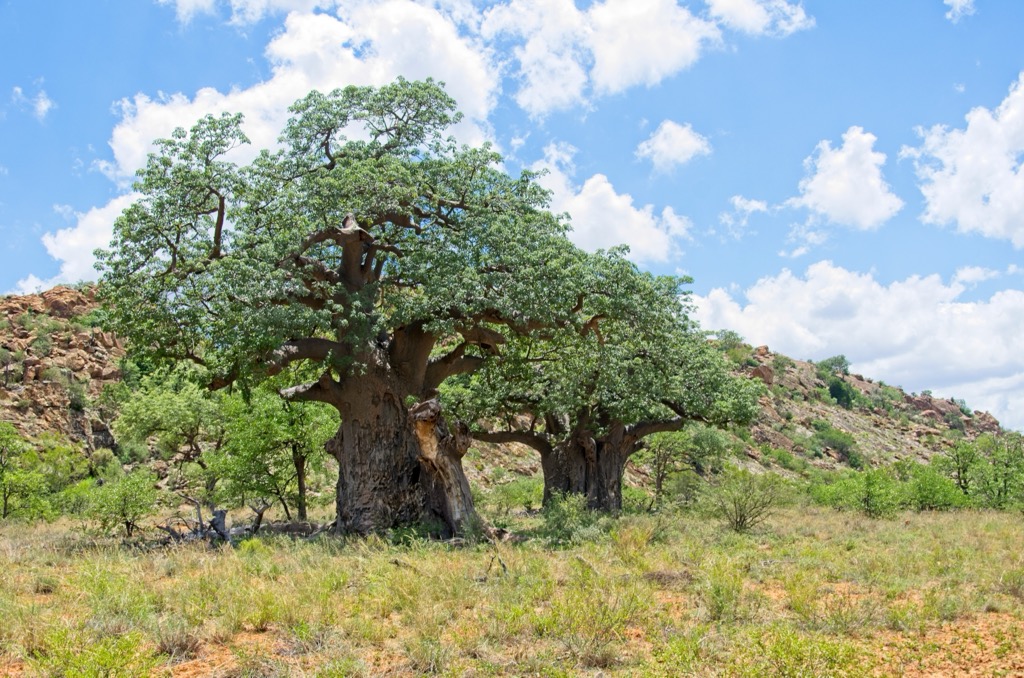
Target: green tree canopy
586, 397
370, 247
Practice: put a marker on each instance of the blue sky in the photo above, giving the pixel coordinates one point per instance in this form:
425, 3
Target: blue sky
837, 176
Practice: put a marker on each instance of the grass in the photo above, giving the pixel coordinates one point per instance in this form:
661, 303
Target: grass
812, 593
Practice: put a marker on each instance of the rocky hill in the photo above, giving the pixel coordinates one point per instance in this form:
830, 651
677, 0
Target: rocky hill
800, 416
55, 361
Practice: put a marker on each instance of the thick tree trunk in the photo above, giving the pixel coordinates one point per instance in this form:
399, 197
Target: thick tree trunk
590, 467
441, 450
397, 466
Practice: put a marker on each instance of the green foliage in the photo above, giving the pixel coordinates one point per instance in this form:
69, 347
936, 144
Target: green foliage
745, 500
728, 340
781, 363
22, 485
842, 442
175, 412
567, 520
842, 392
931, 490
875, 493
269, 446
998, 470
837, 364
124, 502
674, 457
520, 493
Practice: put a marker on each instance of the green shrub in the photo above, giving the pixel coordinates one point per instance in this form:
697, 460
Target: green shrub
842, 392
840, 441
930, 490
41, 346
744, 499
567, 520
521, 493
124, 502
875, 493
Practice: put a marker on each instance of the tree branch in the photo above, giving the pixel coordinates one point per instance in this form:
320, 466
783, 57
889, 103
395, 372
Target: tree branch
324, 390
537, 441
312, 348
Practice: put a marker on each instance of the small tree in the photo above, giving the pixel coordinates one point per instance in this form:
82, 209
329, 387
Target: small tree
125, 502
837, 364
744, 499
23, 491
271, 447
999, 470
959, 463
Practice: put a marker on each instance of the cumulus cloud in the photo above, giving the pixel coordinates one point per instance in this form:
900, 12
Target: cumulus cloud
845, 185
972, 177
958, 9
603, 218
916, 332
553, 55
673, 144
972, 275
40, 104
610, 47
638, 42
761, 17
73, 246
367, 43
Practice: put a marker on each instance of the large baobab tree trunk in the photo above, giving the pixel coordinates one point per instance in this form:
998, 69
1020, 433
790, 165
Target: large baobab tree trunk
398, 465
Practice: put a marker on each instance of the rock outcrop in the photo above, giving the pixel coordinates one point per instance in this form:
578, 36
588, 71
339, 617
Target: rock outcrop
54, 364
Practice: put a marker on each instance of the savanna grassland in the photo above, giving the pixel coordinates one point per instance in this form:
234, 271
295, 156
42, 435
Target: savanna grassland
812, 592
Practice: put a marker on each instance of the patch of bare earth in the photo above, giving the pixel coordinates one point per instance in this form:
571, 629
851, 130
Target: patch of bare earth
986, 645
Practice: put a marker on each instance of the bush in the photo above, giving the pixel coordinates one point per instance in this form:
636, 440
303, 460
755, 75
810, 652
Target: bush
875, 493
567, 520
842, 393
840, 441
930, 490
744, 499
125, 502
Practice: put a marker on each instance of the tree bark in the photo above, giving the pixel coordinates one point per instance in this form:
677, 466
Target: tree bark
299, 461
590, 467
397, 466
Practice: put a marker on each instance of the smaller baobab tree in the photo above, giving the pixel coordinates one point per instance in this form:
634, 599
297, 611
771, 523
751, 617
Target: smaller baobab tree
585, 397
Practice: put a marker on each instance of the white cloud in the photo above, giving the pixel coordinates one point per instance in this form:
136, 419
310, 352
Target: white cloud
73, 247
845, 185
641, 42
368, 43
761, 17
673, 144
603, 218
735, 222
610, 47
958, 9
553, 58
972, 177
916, 332
187, 9
972, 275
40, 105
244, 11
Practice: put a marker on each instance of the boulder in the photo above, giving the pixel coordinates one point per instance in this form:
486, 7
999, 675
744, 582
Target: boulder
764, 373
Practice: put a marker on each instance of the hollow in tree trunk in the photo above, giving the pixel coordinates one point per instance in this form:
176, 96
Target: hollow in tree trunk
398, 466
